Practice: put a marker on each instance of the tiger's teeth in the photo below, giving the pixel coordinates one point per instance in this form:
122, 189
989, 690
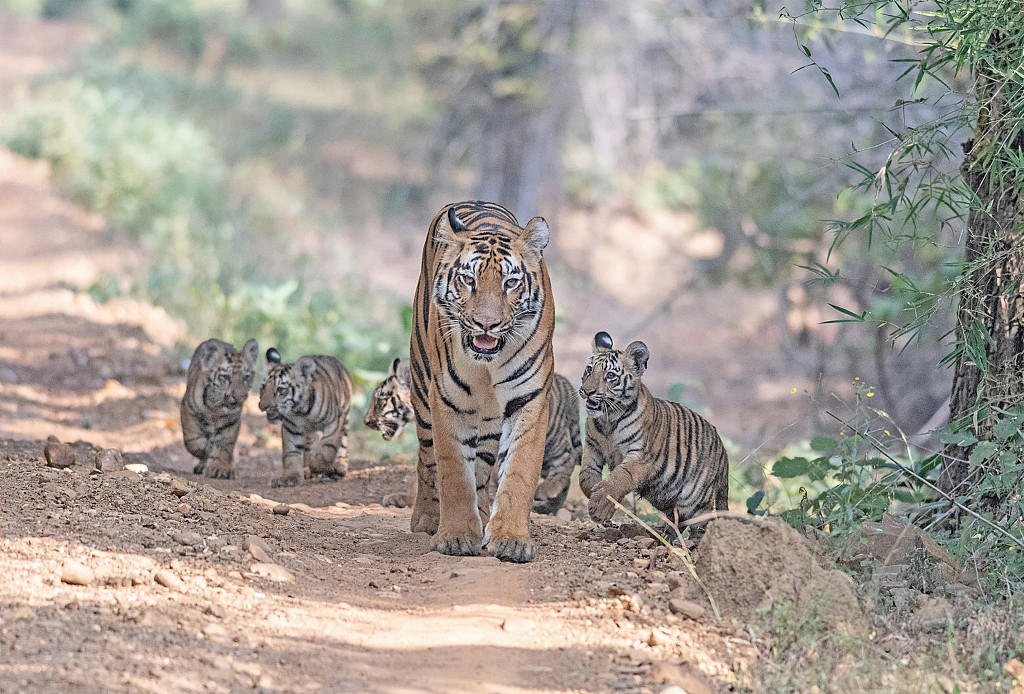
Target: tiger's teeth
485, 342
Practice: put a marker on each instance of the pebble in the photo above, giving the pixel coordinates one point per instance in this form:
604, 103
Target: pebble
59, 455
686, 608
518, 626
251, 540
658, 637
674, 581
189, 538
178, 488
272, 572
169, 579
184, 509
108, 460
137, 468
259, 554
282, 509
76, 574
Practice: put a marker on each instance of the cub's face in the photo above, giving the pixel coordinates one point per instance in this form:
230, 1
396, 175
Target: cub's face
390, 406
227, 373
285, 387
611, 377
489, 286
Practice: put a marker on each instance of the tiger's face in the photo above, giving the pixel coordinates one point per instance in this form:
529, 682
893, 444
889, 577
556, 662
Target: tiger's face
390, 406
611, 377
227, 373
489, 288
286, 385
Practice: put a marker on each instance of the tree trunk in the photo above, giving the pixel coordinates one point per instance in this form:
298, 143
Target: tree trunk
989, 371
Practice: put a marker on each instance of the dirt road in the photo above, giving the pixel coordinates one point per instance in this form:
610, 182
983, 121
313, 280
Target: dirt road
337, 595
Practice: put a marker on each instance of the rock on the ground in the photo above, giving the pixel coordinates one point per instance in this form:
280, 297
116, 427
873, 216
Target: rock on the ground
932, 611
259, 554
657, 637
189, 538
564, 515
137, 468
169, 579
272, 572
76, 574
59, 455
282, 509
108, 460
682, 677
685, 608
747, 566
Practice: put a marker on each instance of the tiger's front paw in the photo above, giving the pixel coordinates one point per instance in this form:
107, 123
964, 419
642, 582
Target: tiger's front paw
466, 543
515, 549
588, 483
216, 470
601, 508
397, 500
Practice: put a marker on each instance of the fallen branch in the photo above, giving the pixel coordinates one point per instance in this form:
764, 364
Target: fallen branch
711, 515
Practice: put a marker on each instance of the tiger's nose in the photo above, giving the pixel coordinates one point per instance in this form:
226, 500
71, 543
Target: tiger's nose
487, 324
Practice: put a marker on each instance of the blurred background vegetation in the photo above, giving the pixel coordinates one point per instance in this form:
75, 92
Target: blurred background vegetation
278, 161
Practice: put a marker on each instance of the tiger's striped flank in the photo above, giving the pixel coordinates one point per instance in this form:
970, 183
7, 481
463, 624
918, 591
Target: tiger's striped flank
666, 452
311, 398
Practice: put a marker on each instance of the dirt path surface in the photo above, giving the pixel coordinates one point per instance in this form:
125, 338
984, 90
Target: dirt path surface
201, 587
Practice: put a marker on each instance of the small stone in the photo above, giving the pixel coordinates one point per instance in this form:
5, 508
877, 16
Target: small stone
178, 487
184, 509
639, 563
902, 598
674, 581
108, 460
644, 542
564, 515
215, 631
169, 579
189, 538
685, 608
59, 455
272, 572
137, 468
258, 553
76, 574
256, 540
518, 626
893, 576
657, 637
373, 584
282, 509
681, 677
932, 611
677, 593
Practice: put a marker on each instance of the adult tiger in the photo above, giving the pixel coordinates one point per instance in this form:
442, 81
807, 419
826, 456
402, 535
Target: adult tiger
666, 452
481, 363
218, 381
311, 398
390, 409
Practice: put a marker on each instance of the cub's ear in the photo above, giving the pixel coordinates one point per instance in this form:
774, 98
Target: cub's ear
250, 351
602, 341
207, 353
637, 355
306, 366
536, 235
449, 226
403, 374
273, 356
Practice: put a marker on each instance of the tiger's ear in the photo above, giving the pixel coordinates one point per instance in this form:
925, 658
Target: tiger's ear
403, 375
306, 366
637, 355
273, 356
250, 351
602, 341
536, 235
449, 226
207, 353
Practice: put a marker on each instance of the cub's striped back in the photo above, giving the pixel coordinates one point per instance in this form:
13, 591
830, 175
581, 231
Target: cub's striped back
665, 451
311, 398
218, 382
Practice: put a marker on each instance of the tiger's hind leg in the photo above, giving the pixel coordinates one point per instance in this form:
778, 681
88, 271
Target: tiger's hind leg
329, 456
554, 485
426, 508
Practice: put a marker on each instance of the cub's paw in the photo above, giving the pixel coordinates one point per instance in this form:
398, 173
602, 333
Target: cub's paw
286, 481
400, 500
219, 471
198, 469
601, 507
588, 484
457, 544
512, 549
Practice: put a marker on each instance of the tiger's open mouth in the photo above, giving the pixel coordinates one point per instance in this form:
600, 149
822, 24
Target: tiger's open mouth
485, 345
593, 405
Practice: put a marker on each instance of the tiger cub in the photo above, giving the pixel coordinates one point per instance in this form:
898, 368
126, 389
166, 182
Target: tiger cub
311, 399
390, 409
666, 452
219, 379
